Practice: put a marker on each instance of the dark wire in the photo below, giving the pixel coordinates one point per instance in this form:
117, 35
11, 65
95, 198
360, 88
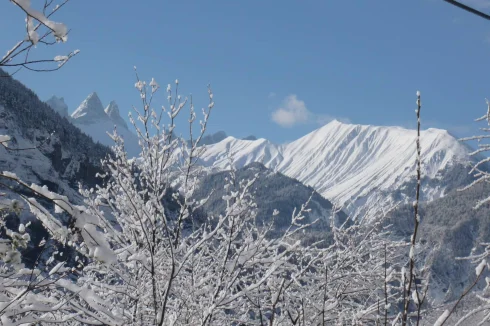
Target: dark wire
469, 9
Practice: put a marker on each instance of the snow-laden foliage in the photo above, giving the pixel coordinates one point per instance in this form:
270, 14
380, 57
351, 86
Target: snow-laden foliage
479, 255
149, 255
47, 292
480, 169
175, 265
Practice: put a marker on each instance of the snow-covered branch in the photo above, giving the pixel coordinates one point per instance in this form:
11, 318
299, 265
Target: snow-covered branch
40, 31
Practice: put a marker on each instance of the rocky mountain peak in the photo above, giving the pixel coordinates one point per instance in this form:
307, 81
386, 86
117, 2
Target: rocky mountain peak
112, 110
90, 110
58, 104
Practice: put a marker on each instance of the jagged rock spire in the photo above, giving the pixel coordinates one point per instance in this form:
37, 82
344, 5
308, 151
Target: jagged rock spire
90, 110
112, 110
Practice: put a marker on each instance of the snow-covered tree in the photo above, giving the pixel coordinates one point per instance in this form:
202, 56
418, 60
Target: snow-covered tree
356, 281
173, 264
479, 255
45, 290
480, 169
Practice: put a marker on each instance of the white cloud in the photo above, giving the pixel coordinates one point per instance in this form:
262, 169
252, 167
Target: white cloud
294, 111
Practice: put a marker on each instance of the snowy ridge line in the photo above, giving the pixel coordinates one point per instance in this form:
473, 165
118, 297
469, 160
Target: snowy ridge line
352, 165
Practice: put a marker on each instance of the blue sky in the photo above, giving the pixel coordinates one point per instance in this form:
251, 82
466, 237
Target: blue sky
279, 69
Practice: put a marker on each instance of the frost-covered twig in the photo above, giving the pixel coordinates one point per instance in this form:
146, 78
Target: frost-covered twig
411, 272
480, 169
447, 313
4, 140
39, 27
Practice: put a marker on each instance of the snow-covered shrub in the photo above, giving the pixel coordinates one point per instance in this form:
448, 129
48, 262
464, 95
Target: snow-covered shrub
170, 264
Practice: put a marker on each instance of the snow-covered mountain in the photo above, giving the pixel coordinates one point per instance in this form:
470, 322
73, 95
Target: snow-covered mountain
90, 111
363, 168
95, 121
55, 153
112, 110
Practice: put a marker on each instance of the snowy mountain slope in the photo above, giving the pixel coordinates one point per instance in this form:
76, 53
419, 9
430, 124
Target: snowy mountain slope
95, 121
90, 110
55, 152
355, 166
45, 149
34, 166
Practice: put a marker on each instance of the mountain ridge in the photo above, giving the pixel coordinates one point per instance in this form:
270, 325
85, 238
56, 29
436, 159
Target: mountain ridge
365, 169
353, 165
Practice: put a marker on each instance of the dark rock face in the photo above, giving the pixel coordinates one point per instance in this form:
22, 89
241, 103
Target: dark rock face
213, 138
272, 191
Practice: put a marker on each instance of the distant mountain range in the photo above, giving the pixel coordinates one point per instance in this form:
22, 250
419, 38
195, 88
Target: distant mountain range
95, 121
366, 169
